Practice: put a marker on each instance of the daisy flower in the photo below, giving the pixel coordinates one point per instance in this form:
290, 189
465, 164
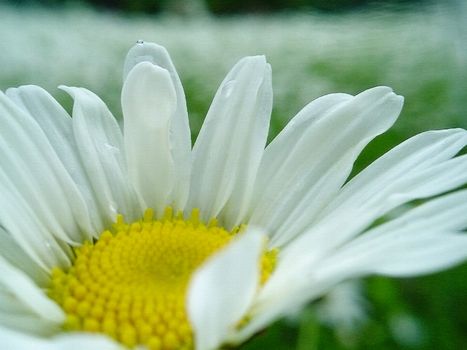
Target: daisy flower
118, 239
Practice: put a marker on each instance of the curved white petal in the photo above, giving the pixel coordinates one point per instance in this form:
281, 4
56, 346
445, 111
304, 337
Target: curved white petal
426, 239
14, 340
15, 255
280, 150
418, 153
18, 315
15, 314
428, 253
27, 323
27, 230
31, 164
25, 291
179, 133
84, 341
222, 290
100, 145
149, 102
231, 142
251, 150
308, 163
418, 168
57, 127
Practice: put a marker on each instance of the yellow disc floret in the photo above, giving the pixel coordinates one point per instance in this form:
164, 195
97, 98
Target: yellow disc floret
131, 283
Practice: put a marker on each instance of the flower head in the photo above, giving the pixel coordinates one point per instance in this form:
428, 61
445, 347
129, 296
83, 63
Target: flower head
130, 238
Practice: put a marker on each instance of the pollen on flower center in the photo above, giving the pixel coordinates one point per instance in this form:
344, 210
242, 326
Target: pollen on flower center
131, 283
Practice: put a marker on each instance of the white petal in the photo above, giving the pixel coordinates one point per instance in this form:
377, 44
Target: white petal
26, 228
149, 102
418, 153
100, 145
280, 149
80, 341
305, 168
431, 252
180, 139
222, 291
14, 340
15, 255
25, 291
32, 165
427, 238
230, 145
30, 324
252, 148
57, 127
14, 314
418, 168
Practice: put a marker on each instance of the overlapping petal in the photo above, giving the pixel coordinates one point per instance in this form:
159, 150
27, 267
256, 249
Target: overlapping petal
57, 126
19, 292
423, 240
99, 143
420, 167
231, 142
17, 257
222, 291
304, 168
30, 162
149, 102
179, 129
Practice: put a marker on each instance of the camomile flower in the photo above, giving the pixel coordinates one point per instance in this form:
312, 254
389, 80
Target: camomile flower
122, 238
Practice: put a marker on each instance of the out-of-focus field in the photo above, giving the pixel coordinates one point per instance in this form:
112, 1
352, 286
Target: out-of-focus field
421, 53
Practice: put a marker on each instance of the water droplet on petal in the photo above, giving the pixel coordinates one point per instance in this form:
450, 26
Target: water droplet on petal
228, 88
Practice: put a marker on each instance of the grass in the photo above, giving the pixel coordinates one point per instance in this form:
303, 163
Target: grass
420, 53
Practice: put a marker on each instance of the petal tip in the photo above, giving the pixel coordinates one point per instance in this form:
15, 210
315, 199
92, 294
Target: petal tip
259, 59
148, 68
144, 51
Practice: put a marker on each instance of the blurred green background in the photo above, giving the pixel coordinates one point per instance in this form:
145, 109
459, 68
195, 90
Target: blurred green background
316, 47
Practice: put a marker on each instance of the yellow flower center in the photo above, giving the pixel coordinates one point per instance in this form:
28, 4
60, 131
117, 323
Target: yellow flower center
131, 283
